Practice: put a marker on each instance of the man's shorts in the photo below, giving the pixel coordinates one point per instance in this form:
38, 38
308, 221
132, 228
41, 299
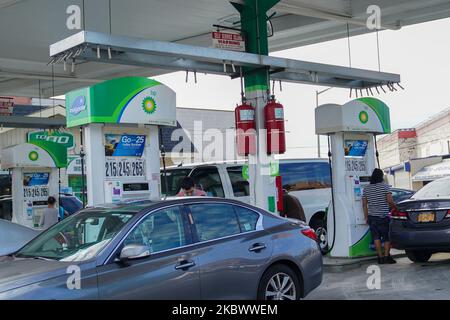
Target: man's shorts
379, 227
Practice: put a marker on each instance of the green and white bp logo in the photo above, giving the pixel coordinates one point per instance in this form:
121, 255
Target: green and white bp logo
65, 139
363, 117
33, 156
149, 105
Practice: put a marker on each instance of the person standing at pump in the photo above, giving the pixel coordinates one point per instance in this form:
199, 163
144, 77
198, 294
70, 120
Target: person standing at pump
50, 215
377, 201
292, 207
188, 189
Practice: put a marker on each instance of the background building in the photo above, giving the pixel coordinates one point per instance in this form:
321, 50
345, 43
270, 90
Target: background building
415, 156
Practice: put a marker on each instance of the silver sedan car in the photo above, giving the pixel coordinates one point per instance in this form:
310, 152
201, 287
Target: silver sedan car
188, 248
14, 236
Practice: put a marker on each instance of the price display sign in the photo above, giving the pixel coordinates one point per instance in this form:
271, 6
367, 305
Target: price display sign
355, 165
35, 186
118, 167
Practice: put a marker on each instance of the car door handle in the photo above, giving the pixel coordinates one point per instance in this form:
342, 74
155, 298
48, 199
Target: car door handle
257, 247
185, 265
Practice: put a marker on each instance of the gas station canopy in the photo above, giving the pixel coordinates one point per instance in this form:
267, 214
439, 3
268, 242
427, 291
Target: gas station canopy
94, 46
26, 37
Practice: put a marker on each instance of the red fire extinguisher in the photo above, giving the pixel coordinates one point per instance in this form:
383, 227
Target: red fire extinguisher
279, 186
245, 129
274, 123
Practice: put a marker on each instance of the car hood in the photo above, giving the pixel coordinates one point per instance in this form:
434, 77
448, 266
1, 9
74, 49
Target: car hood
18, 272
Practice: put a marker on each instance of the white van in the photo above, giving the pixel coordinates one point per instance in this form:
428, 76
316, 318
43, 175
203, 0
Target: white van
307, 179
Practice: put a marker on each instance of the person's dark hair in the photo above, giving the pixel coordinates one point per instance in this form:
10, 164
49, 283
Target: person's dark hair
187, 183
377, 176
51, 200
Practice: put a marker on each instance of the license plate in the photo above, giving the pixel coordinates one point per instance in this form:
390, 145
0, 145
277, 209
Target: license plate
426, 217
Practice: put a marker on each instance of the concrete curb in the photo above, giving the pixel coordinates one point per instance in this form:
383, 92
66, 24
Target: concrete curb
343, 264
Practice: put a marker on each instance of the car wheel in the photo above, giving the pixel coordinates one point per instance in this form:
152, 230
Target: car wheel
320, 228
279, 282
418, 256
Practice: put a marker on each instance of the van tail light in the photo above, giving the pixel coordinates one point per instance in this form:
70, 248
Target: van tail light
448, 214
310, 233
399, 215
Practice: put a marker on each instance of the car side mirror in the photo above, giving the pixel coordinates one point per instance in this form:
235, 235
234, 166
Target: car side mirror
134, 251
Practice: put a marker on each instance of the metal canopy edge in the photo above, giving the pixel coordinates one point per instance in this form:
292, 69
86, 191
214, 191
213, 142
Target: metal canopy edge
100, 47
32, 122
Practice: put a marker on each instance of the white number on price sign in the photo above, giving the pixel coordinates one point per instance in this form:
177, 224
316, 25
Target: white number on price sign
355, 165
36, 192
123, 168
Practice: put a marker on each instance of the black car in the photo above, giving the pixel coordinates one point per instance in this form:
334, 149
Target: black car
421, 225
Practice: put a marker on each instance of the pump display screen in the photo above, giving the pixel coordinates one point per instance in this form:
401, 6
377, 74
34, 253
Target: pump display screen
135, 187
128, 145
35, 179
355, 148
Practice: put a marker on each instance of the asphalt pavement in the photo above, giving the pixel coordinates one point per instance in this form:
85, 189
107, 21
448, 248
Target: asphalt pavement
403, 280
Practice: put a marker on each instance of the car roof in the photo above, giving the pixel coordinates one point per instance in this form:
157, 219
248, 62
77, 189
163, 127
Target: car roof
146, 205
131, 206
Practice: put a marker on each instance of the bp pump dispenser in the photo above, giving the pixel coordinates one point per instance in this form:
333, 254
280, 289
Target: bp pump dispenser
120, 119
351, 129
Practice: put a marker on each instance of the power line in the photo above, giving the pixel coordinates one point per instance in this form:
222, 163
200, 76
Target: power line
378, 51
349, 49
110, 18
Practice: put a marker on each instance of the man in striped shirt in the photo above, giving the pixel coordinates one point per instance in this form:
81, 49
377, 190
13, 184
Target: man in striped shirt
377, 201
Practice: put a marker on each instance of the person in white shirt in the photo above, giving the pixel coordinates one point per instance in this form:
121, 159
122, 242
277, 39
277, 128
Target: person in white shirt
50, 214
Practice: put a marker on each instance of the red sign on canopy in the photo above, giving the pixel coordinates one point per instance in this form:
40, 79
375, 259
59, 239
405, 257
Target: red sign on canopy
228, 41
6, 107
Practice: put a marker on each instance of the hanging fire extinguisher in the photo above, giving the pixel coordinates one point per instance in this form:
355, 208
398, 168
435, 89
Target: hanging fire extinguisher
245, 129
274, 124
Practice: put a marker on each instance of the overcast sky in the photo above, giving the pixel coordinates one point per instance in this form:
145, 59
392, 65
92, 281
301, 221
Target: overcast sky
419, 53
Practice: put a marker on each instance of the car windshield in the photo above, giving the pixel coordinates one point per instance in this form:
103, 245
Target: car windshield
435, 189
77, 238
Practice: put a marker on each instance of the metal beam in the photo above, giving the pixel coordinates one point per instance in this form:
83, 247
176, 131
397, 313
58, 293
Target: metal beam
86, 45
31, 122
310, 12
44, 76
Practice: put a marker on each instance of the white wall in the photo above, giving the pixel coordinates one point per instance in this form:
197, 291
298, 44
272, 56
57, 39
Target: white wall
402, 179
433, 136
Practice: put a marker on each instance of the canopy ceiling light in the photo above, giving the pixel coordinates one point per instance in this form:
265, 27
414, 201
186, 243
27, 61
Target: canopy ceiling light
100, 47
